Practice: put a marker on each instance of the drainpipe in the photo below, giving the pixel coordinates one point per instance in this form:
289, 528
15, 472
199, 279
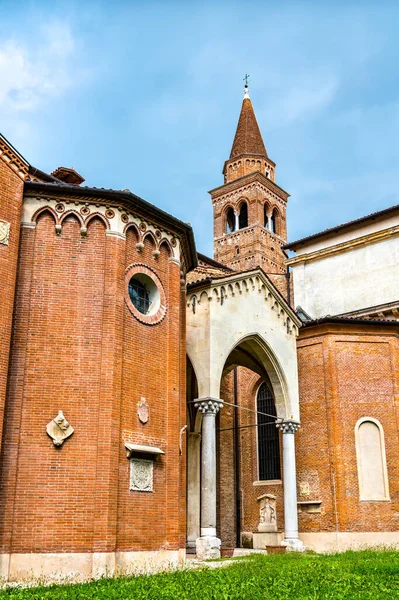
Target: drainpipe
288, 287
237, 462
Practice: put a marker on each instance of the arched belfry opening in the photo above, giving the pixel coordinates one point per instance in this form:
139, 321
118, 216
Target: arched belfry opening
243, 216
230, 221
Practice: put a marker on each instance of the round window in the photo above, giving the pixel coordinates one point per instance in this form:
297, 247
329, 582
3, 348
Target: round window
144, 294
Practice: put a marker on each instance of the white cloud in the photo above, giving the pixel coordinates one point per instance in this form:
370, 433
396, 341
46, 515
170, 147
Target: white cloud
34, 74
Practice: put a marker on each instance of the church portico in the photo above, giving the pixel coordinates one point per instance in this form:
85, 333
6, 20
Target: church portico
240, 321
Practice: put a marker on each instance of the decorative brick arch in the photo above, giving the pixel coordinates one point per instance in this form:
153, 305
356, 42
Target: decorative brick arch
74, 214
43, 210
165, 243
95, 216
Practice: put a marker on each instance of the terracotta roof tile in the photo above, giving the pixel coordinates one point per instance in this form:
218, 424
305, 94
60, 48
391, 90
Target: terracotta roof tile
248, 139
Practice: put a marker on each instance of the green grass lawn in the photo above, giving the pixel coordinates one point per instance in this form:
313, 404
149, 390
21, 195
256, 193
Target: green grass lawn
351, 575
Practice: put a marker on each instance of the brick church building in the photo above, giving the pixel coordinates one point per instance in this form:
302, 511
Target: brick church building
154, 401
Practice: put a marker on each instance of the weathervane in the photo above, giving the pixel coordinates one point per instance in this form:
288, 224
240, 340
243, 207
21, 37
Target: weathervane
246, 79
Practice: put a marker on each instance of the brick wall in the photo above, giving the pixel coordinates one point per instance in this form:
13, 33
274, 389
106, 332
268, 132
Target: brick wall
345, 373
76, 347
11, 190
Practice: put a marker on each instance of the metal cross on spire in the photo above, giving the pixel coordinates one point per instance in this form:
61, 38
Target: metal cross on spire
246, 90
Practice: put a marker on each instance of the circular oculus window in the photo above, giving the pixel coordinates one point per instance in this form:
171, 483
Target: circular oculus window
144, 294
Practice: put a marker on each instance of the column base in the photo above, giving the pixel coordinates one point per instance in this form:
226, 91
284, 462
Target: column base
208, 547
293, 545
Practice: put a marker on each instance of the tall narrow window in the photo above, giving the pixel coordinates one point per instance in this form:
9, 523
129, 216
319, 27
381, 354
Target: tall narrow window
268, 437
371, 460
266, 218
273, 222
230, 221
243, 218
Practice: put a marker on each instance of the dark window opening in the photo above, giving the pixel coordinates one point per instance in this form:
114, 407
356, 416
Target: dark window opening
273, 222
139, 295
266, 218
243, 218
268, 436
230, 221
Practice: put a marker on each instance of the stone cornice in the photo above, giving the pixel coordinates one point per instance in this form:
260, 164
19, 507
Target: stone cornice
370, 329
247, 281
235, 235
13, 159
365, 240
257, 176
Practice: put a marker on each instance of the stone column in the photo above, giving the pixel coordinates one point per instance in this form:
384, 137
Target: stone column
270, 222
237, 222
193, 488
288, 428
208, 545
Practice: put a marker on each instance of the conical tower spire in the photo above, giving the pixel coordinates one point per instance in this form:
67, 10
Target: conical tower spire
248, 139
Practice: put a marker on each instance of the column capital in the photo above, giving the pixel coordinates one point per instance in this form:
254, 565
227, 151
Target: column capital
209, 405
288, 425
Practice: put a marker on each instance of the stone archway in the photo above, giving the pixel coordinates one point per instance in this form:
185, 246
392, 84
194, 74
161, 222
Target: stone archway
239, 319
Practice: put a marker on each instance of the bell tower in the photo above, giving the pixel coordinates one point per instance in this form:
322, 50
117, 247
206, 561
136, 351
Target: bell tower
249, 208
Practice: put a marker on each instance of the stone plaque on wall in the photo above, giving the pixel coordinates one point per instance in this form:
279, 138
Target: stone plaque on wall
141, 474
4, 232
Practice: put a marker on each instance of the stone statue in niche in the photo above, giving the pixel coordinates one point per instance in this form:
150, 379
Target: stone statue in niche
267, 513
59, 429
143, 411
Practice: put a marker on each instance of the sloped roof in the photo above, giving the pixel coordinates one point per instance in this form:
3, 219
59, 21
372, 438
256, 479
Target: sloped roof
248, 139
207, 268
342, 227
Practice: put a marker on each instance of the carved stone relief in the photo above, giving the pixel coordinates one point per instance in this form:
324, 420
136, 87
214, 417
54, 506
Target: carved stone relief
267, 513
143, 411
59, 429
4, 232
141, 475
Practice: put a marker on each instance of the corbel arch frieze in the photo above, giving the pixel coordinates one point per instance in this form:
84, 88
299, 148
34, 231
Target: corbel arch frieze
220, 291
115, 218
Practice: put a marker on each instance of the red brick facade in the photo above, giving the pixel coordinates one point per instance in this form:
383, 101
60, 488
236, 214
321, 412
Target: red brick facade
12, 172
346, 372
77, 347
72, 340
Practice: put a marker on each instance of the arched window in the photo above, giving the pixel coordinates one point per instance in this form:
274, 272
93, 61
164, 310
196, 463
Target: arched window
273, 222
371, 460
266, 218
243, 218
268, 437
230, 221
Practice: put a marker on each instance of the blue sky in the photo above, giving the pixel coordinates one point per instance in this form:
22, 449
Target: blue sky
146, 96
